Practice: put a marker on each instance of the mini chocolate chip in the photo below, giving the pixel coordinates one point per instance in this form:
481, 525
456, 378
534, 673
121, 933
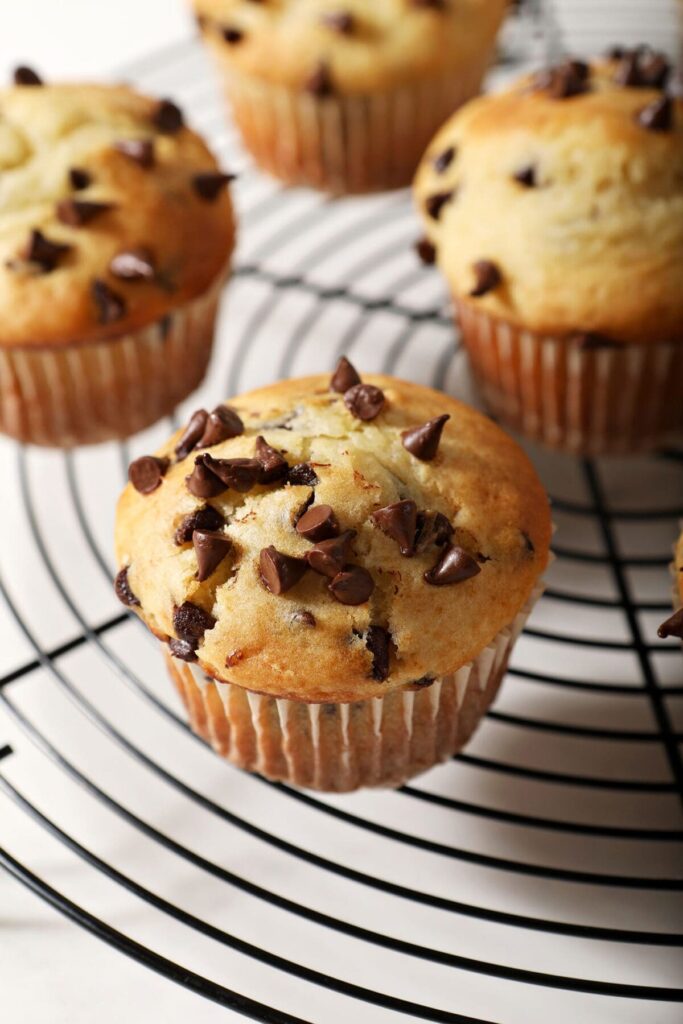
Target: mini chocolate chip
434, 204
191, 434
657, 116
432, 528
110, 305
222, 423
279, 572
588, 340
167, 117
487, 276
426, 251
206, 518
528, 544
77, 212
378, 642
182, 649
202, 482
318, 523
273, 465
526, 176
329, 557
364, 401
423, 441
232, 35
353, 585
133, 265
454, 566
191, 622
339, 21
442, 161
320, 82
304, 618
303, 473
209, 184
211, 547
673, 626
26, 76
399, 521
79, 178
140, 151
122, 588
146, 473
344, 377
43, 251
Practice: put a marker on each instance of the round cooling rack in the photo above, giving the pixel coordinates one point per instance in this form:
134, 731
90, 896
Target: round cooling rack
536, 876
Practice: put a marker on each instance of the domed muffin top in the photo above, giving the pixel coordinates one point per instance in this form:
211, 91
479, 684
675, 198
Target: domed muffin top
348, 45
332, 542
558, 203
112, 212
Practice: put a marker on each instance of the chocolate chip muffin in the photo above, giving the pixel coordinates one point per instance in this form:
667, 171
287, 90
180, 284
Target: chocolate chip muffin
337, 570
555, 211
674, 624
116, 229
344, 95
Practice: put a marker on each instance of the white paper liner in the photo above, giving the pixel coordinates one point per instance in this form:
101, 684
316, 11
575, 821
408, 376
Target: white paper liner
382, 741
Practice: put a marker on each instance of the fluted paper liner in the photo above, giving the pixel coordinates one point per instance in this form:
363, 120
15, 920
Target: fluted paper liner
382, 741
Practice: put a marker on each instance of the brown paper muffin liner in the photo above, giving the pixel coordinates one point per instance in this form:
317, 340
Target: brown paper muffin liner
95, 391
589, 401
345, 144
382, 741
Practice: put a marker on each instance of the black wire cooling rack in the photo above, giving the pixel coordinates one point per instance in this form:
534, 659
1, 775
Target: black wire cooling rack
537, 874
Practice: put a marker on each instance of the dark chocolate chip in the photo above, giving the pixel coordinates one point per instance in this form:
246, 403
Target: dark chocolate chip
167, 117
339, 21
432, 528
454, 566
191, 622
26, 76
202, 482
79, 178
655, 71
42, 251
487, 276
657, 116
526, 176
344, 377
318, 523
206, 518
211, 547
434, 204
426, 251
279, 572
110, 305
140, 151
273, 465
191, 434
222, 423
641, 68
239, 474
364, 401
209, 184
303, 473
571, 78
378, 642
588, 340
329, 557
122, 588
673, 626
423, 441
399, 521
353, 585
232, 35
77, 212
423, 682
182, 649
320, 82
133, 265
304, 618
146, 473
442, 161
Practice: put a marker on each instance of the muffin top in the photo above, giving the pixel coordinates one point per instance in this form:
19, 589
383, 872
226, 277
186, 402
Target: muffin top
324, 540
112, 212
348, 45
558, 203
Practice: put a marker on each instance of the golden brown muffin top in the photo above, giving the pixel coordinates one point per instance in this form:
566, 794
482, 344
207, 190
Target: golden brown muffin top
567, 190
112, 212
349, 510
348, 45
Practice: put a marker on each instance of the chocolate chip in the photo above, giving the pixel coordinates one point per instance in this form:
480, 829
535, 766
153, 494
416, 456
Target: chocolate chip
42, 251
110, 305
167, 117
182, 649
320, 82
655, 71
318, 523
432, 528
133, 265
423, 441
526, 176
122, 588
239, 474
232, 35
206, 518
222, 423
211, 547
78, 178
303, 508
273, 465
77, 212
302, 474
202, 482
209, 184
657, 116
673, 626
487, 276
434, 204
353, 585
364, 401
426, 251
339, 21
628, 72
191, 434
304, 618
26, 76
146, 473
344, 377
454, 566
442, 161
140, 151
423, 682
378, 642
643, 69
399, 521
191, 622
571, 78
329, 557
588, 340
279, 572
